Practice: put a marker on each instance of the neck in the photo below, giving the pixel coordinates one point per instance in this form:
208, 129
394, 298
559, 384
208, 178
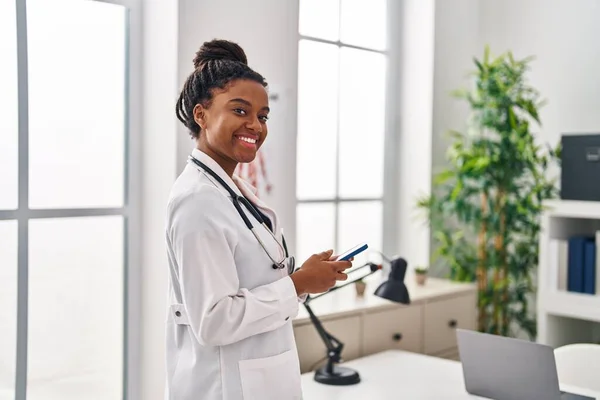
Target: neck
227, 164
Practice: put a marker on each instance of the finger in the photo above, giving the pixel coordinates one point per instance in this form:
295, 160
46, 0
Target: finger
340, 276
341, 265
326, 254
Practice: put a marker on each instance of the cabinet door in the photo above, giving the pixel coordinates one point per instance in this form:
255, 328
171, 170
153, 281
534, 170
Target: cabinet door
399, 328
312, 350
442, 317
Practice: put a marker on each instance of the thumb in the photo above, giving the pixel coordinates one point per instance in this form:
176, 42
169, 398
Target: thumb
325, 255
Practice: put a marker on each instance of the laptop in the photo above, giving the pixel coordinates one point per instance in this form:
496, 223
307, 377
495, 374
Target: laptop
503, 368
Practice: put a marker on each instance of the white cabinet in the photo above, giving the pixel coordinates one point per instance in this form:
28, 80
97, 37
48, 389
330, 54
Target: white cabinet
393, 329
368, 325
442, 317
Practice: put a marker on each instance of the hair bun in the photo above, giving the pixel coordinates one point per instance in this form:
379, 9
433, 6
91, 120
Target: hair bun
218, 49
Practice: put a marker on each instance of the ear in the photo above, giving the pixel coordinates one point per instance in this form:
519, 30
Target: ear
200, 115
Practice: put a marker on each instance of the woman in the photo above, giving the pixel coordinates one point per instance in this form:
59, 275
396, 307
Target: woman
232, 294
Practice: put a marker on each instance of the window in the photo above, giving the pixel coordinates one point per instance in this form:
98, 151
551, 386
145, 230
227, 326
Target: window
65, 219
9, 138
342, 79
8, 103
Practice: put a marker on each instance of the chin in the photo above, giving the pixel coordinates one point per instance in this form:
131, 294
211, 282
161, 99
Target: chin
245, 158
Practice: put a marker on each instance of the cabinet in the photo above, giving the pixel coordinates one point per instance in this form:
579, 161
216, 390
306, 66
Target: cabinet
442, 317
393, 329
369, 324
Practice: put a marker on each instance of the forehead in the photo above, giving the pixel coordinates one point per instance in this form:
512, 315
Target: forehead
248, 90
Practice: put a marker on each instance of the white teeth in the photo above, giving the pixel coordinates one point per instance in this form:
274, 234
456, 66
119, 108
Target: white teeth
245, 139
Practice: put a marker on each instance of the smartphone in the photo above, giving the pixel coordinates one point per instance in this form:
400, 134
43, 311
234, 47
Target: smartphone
348, 254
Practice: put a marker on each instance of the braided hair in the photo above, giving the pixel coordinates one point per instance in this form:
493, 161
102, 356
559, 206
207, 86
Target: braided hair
216, 64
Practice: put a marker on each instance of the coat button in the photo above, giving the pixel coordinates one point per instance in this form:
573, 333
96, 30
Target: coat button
177, 313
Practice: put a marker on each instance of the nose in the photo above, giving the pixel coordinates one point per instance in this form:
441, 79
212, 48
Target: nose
255, 125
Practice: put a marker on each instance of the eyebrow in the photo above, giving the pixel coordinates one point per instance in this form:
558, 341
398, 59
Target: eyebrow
246, 102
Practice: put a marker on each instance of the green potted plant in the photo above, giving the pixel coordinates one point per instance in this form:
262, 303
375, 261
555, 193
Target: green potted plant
485, 207
421, 275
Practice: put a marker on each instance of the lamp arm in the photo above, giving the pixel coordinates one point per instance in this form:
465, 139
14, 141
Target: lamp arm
333, 289
334, 345
331, 342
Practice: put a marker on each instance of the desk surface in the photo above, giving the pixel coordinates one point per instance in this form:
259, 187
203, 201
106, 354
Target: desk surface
402, 375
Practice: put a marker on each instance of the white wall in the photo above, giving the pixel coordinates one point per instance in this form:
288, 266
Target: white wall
158, 173
561, 34
414, 126
267, 30
457, 40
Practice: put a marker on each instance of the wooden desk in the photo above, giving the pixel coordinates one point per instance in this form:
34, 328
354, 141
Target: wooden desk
396, 374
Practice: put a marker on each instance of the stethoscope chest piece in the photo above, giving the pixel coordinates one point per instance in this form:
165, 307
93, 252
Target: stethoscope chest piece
291, 265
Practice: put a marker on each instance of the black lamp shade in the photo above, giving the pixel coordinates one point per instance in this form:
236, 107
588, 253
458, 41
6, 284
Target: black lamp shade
394, 291
394, 288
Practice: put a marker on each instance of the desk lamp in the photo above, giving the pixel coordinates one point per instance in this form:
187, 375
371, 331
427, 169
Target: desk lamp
393, 289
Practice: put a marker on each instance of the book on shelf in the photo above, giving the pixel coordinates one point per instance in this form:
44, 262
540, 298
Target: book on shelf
577, 263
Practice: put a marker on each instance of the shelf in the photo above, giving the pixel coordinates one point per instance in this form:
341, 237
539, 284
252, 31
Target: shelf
570, 304
573, 209
565, 317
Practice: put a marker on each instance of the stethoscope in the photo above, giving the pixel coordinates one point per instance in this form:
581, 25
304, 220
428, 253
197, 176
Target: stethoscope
237, 199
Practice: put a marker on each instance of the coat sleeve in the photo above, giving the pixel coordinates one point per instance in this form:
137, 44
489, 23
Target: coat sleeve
219, 311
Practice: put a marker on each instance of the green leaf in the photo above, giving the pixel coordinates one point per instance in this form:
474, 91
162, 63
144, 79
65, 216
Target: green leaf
476, 164
460, 93
455, 135
479, 65
444, 176
456, 191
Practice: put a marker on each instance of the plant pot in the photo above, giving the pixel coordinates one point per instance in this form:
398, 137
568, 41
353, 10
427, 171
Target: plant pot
421, 279
360, 288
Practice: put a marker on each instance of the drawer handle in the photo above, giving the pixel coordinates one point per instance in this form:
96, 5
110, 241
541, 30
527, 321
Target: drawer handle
397, 337
452, 323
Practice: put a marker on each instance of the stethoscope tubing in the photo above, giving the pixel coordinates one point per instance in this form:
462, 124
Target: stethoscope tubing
236, 200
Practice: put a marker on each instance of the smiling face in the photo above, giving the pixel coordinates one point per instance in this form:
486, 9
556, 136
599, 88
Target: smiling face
234, 124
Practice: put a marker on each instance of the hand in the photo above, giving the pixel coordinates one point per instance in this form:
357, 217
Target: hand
319, 274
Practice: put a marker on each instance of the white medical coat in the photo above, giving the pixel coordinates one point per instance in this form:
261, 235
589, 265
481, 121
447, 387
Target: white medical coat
229, 322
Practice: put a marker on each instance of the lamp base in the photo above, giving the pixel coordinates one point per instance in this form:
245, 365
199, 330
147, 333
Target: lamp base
341, 376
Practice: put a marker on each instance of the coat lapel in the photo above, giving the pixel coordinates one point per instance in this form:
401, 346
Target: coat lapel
249, 192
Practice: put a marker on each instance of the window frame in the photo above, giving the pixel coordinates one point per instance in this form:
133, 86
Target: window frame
130, 211
389, 197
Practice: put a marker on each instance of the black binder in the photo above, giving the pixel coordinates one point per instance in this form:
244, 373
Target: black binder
580, 172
